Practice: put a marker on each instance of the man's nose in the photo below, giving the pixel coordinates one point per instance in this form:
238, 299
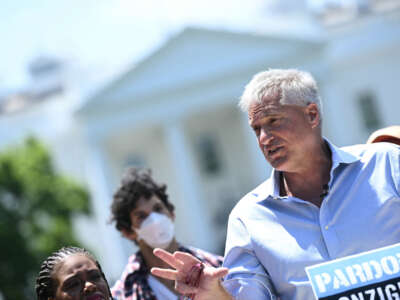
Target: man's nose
265, 136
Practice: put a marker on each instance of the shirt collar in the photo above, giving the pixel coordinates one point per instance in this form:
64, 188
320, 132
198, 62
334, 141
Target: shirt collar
341, 156
270, 188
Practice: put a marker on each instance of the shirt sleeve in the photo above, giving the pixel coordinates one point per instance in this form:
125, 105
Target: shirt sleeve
117, 290
396, 167
247, 278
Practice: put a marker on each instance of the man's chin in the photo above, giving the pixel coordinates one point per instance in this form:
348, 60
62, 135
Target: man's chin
278, 164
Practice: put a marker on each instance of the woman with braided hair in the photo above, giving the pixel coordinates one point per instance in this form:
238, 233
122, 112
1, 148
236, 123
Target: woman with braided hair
71, 273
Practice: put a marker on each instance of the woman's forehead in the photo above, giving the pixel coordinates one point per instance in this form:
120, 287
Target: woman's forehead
73, 263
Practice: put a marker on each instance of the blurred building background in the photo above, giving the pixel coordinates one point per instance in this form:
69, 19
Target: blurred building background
175, 110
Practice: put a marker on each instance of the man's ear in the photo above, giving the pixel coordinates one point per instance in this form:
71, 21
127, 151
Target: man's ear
313, 115
173, 216
129, 234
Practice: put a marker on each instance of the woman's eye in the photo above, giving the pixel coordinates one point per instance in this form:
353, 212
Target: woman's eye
72, 284
95, 276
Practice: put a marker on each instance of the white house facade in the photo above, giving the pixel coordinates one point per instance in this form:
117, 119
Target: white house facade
176, 113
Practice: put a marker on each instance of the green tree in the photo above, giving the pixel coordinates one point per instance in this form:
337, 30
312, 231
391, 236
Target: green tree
36, 209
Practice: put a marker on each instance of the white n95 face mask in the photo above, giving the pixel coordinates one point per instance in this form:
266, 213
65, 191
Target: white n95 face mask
157, 230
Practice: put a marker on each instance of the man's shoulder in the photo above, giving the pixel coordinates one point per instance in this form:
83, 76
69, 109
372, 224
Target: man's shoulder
371, 151
259, 193
135, 263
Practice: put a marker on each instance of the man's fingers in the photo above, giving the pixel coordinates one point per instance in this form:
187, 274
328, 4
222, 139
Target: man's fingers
185, 289
168, 258
219, 272
187, 259
164, 273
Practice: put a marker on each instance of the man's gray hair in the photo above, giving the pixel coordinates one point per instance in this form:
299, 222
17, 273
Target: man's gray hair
291, 85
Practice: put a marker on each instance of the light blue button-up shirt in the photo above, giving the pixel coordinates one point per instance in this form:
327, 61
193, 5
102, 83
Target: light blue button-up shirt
271, 239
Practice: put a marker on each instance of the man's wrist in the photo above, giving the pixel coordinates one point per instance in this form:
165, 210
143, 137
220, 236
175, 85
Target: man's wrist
223, 294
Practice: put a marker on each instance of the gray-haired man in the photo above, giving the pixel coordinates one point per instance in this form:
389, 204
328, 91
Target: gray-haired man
320, 203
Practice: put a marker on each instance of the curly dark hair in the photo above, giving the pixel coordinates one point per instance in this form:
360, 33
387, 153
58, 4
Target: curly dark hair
46, 285
135, 184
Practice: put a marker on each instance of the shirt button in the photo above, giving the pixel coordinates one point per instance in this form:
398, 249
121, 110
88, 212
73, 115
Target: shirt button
326, 227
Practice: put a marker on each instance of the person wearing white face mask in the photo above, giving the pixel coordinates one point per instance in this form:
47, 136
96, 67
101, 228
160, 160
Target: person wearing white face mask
143, 214
157, 230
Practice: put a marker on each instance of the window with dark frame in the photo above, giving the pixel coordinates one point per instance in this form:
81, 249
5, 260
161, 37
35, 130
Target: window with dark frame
208, 154
369, 111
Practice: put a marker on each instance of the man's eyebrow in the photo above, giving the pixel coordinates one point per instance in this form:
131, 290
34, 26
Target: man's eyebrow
265, 116
137, 212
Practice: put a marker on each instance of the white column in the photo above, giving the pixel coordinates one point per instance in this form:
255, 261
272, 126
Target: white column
257, 162
194, 212
110, 245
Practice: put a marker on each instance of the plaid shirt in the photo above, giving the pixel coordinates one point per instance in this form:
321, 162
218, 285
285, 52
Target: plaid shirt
133, 283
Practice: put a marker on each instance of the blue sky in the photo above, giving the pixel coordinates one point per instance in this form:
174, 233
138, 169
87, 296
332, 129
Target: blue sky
104, 35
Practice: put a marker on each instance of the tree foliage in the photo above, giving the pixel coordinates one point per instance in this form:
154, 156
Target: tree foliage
36, 209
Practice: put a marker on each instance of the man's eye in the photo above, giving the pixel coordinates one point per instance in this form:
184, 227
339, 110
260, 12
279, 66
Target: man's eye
158, 208
141, 217
274, 121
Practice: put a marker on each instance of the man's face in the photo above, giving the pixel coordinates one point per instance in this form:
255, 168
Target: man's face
284, 132
79, 278
144, 207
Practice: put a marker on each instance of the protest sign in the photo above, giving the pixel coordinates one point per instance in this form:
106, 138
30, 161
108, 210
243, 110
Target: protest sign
372, 275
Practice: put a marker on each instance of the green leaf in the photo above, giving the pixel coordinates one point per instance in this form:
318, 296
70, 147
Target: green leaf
36, 209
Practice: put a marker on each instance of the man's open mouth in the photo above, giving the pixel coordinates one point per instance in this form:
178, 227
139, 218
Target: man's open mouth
274, 150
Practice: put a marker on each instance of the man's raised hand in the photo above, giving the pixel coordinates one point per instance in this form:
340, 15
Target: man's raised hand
184, 268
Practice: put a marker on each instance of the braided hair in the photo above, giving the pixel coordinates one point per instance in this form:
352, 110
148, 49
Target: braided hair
45, 283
